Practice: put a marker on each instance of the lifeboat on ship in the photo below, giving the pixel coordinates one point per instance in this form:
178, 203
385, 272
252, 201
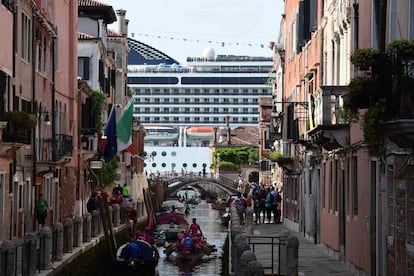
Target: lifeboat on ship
161, 133
200, 132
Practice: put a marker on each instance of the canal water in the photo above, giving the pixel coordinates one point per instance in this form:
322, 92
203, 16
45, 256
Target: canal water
214, 231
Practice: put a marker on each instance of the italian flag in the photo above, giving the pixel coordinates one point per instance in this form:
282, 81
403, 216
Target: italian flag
124, 129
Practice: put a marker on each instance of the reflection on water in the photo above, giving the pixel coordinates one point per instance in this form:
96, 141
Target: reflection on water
209, 220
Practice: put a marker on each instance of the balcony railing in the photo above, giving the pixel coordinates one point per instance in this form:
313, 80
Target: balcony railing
89, 142
327, 105
64, 146
13, 133
329, 129
54, 149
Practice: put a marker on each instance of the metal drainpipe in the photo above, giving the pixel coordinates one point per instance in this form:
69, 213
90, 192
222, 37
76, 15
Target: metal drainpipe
52, 119
34, 109
321, 76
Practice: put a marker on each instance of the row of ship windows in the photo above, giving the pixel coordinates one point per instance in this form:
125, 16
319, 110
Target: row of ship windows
196, 100
197, 110
188, 120
198, 91
174, 165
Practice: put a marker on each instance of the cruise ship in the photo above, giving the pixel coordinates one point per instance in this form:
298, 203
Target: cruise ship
184, 107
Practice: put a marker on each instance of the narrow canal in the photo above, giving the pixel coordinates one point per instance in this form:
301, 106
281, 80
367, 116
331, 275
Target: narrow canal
209, 220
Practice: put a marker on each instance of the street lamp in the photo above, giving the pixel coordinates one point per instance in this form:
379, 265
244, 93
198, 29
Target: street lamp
276, 120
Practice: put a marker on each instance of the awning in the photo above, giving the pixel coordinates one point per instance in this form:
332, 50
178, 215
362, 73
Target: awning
139, 183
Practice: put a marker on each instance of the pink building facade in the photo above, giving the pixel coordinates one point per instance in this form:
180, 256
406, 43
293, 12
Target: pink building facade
357, 202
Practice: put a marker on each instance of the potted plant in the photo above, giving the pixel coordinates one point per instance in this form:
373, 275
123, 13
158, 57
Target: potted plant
385, 92
21, 119
364, 58
362, 91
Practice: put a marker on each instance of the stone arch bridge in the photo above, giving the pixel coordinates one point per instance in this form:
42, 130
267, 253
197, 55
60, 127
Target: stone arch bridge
210, 183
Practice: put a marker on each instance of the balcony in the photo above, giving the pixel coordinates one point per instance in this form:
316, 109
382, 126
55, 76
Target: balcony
401, 130
330, 131
13, 133
55, 149
285, 162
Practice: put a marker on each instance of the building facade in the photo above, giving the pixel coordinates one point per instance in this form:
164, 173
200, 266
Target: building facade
38, 85
341, 187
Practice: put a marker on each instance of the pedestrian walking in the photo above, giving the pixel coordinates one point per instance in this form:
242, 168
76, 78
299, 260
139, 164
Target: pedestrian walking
41, 208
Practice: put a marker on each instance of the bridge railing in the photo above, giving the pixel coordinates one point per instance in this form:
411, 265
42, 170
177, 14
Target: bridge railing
227, 182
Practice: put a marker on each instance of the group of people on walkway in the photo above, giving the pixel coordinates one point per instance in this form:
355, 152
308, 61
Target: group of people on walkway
266, 201
120, 196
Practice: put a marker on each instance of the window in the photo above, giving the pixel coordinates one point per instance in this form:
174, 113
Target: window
9, 4
410, 206
347, 188
335, 186
355, 185
330, 184
26, 31
40, 52
323, 185
393, 20
83, 67
390, 200
310, 182
411, 20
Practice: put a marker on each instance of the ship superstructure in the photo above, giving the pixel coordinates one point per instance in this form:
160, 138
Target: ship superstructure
184, 106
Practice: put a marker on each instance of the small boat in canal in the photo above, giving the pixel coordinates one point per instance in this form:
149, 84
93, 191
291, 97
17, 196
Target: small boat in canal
219, 204
174, 205
171, 224
137, 255
189, 249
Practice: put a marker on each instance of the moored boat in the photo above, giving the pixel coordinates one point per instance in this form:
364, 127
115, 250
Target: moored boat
219, 204
189, 249
137, 255
171, 224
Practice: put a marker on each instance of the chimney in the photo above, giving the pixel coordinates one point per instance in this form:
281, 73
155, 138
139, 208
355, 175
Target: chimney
121, 22
126, 27
215, 140
228, 130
